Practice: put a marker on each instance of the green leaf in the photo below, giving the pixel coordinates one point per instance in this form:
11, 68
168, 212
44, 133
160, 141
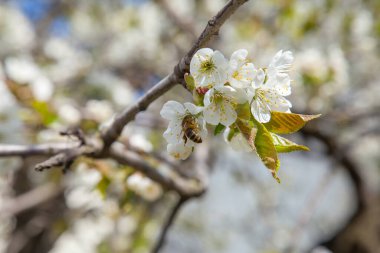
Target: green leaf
284, 145
286, 123
102, 186
45, 112
261, 140
218, 129
266, 149
243, 111
232, 133
190, 84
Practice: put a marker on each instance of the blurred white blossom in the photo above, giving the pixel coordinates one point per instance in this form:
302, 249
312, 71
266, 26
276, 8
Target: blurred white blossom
144, 187
17, 33
99, 110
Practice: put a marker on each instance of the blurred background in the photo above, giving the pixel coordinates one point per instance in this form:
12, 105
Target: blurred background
71, 63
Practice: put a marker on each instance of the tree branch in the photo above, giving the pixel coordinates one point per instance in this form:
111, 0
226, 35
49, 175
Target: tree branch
167, 225
167, 179
343, 158
32, 150
32, 198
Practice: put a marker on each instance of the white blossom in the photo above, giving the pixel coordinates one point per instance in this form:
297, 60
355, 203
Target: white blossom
277, 72
268, 90
241, 72
176, 113
220, 105
174, 135
208, 68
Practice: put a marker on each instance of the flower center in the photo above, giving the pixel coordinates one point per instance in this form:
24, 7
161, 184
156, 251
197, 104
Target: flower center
261, 95
207, 66
236, 75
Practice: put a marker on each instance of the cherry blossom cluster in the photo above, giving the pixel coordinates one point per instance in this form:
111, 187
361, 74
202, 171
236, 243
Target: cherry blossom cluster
222, 85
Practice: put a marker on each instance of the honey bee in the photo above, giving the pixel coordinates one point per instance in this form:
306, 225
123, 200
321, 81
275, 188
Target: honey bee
190, 129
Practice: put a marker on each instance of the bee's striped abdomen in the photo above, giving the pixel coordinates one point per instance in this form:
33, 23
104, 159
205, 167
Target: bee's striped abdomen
193, 136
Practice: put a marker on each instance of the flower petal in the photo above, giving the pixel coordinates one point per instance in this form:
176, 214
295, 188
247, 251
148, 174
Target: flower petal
173, 133
277, 102
220, 61
228, 115
212, 114
208, 96
258, 81
179, 151
260, 110
172, 110
202, 127
193, 109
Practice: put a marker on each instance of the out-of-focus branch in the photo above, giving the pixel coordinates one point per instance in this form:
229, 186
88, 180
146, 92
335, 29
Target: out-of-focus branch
32, 199
168, 179
211, 30
343, 158
32, 150
201, 170
65, 158
168, 224
309, 209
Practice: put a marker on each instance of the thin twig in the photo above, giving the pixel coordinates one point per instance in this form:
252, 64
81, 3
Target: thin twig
167, 225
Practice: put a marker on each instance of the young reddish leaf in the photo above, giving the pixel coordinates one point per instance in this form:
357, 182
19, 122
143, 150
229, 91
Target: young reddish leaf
284, 145
286, 123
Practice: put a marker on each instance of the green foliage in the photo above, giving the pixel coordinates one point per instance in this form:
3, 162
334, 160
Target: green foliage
264, 139
286, 123
102, 186
266, 149
284, 145
46, 115
218, 129
190, 85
